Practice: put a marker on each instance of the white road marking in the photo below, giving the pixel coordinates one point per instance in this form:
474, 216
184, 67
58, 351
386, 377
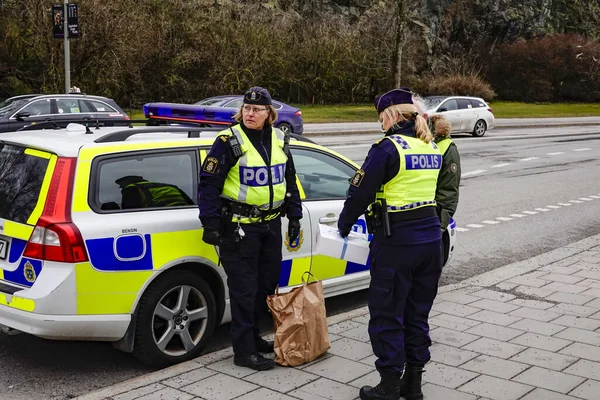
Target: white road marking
584, 149
585, 199
475, 226
500, 165
553, 207
555, 153
529, 158
477, 171
461, 229
541, 209
518, 215
564, 204
487, 221
595, 197
504, 219
529, 212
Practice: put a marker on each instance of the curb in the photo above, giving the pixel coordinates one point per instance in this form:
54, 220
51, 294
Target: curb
483, 280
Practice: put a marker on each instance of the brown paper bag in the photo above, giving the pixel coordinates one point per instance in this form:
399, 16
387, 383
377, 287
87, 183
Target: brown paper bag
301, 333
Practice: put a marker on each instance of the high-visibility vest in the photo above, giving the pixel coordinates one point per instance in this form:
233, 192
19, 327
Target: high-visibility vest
415, 184
160, 194
251, 181
444, 144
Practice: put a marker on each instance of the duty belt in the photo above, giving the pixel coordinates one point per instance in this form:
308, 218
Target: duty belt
250, 211
416, 213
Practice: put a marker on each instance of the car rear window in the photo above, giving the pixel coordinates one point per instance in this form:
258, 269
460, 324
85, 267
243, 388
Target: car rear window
21, 177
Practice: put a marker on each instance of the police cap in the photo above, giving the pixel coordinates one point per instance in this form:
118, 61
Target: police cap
401, 95
257, 95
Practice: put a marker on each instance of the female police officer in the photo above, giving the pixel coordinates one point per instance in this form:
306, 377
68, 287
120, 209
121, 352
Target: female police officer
247, 181
399, 175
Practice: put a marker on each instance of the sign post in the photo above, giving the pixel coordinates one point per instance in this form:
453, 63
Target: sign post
67, 47
65, 25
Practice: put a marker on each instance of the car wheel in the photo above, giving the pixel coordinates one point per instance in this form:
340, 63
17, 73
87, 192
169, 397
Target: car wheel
176, 316
285, 127
480, 128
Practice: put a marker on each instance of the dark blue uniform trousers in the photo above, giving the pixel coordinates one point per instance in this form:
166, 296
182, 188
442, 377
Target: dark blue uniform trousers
404, 283
252, 266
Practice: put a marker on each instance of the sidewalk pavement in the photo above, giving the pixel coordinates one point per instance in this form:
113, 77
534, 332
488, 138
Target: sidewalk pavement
374, 127
528, 331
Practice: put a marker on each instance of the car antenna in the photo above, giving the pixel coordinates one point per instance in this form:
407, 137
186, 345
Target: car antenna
87, 128
97, 125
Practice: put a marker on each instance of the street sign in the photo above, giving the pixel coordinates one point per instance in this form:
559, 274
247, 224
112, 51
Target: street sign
58, 30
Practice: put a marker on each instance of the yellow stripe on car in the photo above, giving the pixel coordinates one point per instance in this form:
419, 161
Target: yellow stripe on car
17, 230
19, 303
38, 153
39, 207
169, 246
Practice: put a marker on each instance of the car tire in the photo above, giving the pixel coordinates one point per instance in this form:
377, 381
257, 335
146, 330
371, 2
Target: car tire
479, 128
169, 331
285, 127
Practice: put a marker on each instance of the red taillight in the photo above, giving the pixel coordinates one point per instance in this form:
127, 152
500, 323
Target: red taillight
299, 113
127, 118
490, 109
55, 237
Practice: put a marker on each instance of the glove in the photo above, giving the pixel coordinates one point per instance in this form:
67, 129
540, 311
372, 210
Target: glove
344, 232
211, 236
293, 230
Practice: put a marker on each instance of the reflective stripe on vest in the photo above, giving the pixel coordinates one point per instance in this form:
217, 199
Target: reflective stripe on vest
415, 184
444, 144
159, 194
248, 180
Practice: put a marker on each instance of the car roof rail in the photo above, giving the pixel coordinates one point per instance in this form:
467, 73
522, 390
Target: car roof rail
121, 136
83, 121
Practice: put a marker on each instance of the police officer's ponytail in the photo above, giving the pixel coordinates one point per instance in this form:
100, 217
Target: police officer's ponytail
408, 112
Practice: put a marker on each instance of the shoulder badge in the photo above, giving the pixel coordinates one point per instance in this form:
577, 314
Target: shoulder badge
453, 167
210, 165
358, 177
223, 138
295, 245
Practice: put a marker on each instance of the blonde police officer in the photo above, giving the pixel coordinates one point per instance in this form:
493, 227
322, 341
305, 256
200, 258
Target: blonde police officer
247, 182
406, 260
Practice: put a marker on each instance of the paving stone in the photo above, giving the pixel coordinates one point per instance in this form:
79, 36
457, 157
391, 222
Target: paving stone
560, 270
533, 291
144, 390
528, 281
450, 355
369, 360
541, 305
282, 379
264, 394
457, 297
541, 342
585, 368
495, 331
434, 392
215, 356
364, 319
543, 358
219, 387
572, 309
460, 310
166, 394
582, 350
561, 287
494, 348
548, 379
325, 389
506, 285
588, 274
447, 376
343, 326
494, 366
587, 390
453, 322
543, 394
492, 305
339, 369
494, 318
533, 313
452, 338
580, 335
351, 349
493, 295
361, 334
495, 388
228, 367
594, 303
570, 298
592, 283
578, 322
189, 377
595, 316
371, 379
543, 328
569, 279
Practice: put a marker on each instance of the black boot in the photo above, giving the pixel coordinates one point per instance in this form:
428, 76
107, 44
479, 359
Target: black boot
264, 346
254, 361
410, 384
387, 389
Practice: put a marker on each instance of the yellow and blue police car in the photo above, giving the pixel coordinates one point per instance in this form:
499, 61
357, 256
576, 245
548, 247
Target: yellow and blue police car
100, 237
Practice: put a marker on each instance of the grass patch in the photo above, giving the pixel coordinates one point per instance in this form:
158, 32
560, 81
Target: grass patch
312, 114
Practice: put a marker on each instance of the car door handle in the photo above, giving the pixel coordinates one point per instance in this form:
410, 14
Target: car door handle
325, 220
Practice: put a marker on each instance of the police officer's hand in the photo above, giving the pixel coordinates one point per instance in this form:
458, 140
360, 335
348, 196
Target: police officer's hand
293, 229
344, 231
211, 236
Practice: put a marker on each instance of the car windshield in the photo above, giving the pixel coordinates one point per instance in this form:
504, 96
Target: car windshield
9, 106
209, 102
432, 102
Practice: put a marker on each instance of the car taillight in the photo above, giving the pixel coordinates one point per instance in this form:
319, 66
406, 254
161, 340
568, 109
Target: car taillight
55, 237
490, 109
127, 118
299, 113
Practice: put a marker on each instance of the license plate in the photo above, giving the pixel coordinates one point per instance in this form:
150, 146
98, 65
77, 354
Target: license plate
3, 249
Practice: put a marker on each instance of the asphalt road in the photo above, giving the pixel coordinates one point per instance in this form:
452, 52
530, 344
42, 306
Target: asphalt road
515, 187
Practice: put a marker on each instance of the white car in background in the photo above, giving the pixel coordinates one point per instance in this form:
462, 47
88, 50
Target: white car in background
465, 114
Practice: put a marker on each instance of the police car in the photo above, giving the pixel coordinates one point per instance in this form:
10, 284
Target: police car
78, 262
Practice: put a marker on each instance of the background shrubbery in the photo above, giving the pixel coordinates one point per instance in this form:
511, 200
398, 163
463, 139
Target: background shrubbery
137, 51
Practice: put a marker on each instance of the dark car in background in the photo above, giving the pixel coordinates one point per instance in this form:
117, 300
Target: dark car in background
60, 109
219, 110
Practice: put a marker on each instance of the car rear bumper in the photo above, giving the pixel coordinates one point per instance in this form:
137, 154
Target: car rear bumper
66, 327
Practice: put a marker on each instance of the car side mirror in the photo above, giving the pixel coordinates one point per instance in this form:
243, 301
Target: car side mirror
442, 109
20, 116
